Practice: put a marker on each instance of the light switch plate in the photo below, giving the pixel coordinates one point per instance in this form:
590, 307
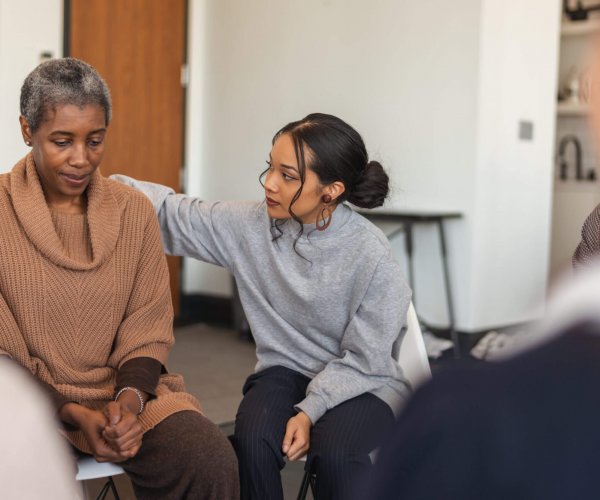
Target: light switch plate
526, 130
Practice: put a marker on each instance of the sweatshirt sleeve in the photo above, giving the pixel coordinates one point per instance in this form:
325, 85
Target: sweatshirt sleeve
366, 347
589, 247
190, 227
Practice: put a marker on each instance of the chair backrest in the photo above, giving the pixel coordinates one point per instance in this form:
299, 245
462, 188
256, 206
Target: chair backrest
413, 356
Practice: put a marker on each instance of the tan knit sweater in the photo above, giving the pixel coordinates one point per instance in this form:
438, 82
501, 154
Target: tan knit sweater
82, 294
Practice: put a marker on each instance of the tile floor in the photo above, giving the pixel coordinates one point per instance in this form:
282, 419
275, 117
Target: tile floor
215, 363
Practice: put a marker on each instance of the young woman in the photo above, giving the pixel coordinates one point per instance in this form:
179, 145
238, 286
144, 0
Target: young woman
324, 298
85, 306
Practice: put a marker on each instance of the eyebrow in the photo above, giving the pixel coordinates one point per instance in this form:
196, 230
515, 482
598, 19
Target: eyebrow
289, 167
64, 132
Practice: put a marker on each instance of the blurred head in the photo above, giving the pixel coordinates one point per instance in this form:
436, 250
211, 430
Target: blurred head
593, 92
315, 164
65, 111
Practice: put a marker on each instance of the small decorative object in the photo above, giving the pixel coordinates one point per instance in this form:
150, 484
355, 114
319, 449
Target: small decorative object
571, 88
585, 86
580, 12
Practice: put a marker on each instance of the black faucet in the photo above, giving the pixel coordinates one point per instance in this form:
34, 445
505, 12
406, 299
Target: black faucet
564, 165
579, 13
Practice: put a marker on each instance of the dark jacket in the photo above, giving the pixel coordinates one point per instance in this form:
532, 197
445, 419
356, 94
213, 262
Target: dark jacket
528, 428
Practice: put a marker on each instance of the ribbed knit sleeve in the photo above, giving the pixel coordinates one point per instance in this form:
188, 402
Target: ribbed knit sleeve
11, 338
589, 247
13, 345
56, 398
147, 326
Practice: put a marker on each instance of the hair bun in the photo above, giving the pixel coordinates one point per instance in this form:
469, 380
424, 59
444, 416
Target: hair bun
371, 188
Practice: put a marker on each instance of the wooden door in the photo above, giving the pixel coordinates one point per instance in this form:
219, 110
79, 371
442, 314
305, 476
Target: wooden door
138, 46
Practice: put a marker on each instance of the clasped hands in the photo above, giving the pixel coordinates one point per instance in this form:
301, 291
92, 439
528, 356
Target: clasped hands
114, 434
297, 436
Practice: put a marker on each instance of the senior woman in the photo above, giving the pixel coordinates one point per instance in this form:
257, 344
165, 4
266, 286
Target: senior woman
84, 297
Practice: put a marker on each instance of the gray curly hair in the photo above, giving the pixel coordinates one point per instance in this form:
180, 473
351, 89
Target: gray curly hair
59, 82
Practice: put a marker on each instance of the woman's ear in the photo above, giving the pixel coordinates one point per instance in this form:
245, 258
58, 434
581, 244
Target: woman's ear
25, 130
335, 190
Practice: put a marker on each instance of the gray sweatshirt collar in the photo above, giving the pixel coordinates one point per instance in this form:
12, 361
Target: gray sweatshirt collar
338, 219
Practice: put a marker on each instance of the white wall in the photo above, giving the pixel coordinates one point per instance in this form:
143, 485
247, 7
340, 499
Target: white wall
436, 88
512, 213
403, 73
27, 28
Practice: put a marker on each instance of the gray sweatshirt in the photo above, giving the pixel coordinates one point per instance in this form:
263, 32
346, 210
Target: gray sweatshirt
336, 314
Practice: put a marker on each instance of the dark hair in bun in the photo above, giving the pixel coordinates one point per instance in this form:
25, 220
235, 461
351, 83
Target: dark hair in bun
371, 188
336, 152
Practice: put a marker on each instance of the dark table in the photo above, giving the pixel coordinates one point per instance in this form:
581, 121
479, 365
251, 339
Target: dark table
407, 219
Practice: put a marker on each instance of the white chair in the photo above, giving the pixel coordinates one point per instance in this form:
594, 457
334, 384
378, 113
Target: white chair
88, 468
412, 358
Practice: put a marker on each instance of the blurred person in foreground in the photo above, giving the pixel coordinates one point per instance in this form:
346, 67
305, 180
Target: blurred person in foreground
589, 246
523, 428
35, 461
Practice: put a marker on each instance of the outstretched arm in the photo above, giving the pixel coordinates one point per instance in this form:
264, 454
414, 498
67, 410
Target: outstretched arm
190, 227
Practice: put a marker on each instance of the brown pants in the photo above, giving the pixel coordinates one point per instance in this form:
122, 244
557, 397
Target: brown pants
184, 457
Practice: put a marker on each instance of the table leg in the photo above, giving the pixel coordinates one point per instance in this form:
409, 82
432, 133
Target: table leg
408, 228
449, 301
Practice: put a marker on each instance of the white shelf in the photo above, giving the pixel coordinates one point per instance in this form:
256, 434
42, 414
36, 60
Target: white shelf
581, 28
572, 109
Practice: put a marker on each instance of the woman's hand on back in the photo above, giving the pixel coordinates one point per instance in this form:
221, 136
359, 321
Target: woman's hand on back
297, 436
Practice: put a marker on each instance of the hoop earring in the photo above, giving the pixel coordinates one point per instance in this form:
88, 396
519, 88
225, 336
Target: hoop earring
325, 221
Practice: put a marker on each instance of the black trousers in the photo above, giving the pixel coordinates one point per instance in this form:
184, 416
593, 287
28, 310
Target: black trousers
340, 443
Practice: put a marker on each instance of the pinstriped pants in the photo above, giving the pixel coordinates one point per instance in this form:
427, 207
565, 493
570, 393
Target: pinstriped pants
340, 441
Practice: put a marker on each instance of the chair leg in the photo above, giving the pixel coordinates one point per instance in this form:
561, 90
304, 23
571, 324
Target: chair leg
113, 487
306, 483
103, 491
108, 486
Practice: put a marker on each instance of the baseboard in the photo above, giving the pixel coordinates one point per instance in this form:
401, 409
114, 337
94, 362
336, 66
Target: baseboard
199, 308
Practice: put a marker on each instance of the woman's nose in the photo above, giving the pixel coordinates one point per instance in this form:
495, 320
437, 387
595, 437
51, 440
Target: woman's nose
78, 156
270, 184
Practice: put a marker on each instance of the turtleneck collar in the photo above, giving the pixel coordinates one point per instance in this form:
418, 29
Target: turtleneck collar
339, 217
34, 216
